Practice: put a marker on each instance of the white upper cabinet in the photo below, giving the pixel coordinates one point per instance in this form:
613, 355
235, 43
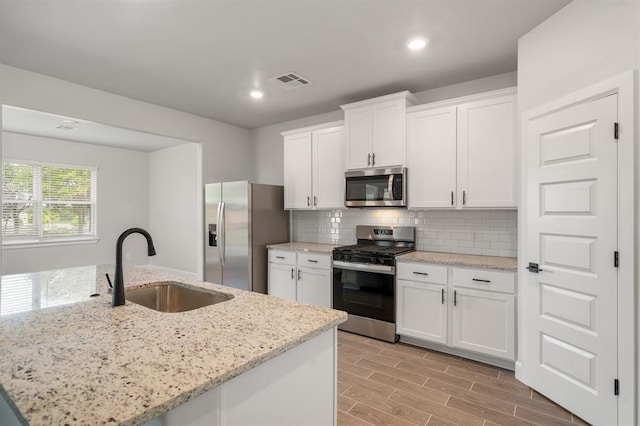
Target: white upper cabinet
297, 171
314, 167
328, 168
375, 131
486, 152
463, 155
431, 154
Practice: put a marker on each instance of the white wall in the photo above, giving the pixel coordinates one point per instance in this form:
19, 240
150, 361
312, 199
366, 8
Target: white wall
584, 43
175, 206
226, 149
268, 150
121, 202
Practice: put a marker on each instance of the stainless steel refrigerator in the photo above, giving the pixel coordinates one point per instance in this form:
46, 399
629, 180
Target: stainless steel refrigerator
241, 218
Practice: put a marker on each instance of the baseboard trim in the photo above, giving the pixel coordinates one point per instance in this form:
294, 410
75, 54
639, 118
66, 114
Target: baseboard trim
486, 359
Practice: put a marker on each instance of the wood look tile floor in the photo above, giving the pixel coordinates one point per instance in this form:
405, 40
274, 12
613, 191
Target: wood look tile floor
381, 383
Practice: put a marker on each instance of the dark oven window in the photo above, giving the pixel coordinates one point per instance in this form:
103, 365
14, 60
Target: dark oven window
366, 294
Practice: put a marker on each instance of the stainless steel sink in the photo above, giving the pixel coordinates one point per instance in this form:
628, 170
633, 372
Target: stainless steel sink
170, 296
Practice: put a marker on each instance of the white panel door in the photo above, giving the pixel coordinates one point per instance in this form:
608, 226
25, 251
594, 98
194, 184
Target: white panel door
570, 318
421, 311
431, 158
328, 168
483, 321
486, 149
389, 140
282, 281
297, 171
358, 134
314, 286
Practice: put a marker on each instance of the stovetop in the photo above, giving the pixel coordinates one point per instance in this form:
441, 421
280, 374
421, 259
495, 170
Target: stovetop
377, 245
372, 249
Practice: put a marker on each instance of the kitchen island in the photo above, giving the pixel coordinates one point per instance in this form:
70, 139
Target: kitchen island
71, 358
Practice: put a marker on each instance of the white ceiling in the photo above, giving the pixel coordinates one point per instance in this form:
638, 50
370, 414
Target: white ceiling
25, 121
203, 56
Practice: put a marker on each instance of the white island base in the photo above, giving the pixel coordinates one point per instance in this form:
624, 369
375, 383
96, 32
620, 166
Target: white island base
297, 388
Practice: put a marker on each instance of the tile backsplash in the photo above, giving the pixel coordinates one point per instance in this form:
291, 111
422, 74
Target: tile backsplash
484, 232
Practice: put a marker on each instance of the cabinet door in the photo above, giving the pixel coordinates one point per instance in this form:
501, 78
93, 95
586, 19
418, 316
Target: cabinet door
358, 136
431, 155
483, 321
389, 137
297, 171
328, 168
314, 286
421, 311
486, 150
282, 282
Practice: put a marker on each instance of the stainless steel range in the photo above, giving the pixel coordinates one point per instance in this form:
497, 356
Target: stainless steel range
364, 279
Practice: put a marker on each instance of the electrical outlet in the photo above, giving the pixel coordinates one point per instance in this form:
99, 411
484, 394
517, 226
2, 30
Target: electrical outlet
127, 256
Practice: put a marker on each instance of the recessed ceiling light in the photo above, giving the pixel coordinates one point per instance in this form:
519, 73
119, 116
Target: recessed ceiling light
417, 43
256, 94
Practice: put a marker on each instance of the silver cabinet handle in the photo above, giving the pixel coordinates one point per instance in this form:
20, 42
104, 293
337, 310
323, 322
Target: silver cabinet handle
420, 273
464, 198
292, 274
279, 257
308, 201
299, 274
442, 295
482, 281
373, 159
315, 200
455, 298
312, 261
369, 159
451, 197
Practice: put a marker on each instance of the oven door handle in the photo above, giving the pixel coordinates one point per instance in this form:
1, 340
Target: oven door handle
379, 269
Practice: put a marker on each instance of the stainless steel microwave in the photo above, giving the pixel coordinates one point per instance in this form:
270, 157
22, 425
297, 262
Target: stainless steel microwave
376, 188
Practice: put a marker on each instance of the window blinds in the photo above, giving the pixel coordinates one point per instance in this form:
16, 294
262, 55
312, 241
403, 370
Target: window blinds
44, 201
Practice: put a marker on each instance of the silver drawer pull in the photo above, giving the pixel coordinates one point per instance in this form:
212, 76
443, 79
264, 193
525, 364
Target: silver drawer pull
279, 257
420, 273
482, 281
312, 261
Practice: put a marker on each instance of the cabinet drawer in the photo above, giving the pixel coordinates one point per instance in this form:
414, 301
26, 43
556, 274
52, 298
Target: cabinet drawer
282, 256
484, 279
314, 260
422, 272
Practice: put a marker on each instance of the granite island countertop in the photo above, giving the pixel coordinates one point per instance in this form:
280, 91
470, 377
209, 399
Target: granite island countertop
74, 359
308, 247
468, 260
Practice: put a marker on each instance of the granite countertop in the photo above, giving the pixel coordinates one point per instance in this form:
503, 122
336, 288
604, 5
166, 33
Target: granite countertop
488, 262
73, 359
309, 247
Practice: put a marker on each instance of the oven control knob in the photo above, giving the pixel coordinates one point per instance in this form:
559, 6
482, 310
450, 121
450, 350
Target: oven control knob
373, 259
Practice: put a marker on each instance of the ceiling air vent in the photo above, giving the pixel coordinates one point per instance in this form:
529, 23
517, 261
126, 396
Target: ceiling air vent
290, 80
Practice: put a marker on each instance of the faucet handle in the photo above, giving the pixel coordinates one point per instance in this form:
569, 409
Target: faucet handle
109, 281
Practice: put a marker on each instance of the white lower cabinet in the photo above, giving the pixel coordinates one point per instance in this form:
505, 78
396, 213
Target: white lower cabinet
483, 321
424, 311
303, 277
314, 286
460, 308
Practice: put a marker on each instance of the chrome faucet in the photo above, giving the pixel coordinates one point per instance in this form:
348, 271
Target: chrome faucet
118, 288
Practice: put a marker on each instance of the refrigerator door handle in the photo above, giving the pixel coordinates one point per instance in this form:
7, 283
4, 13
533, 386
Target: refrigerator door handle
221, 233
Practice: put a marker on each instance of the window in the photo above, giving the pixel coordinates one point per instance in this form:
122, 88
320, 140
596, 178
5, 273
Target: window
46, 202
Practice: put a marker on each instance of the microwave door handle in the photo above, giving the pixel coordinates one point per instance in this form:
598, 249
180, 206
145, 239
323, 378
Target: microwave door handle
390, 187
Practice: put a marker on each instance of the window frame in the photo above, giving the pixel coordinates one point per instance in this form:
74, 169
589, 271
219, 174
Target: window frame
42, 240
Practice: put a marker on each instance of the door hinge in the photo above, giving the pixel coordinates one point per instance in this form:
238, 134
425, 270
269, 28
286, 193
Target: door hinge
616, 259
616, 387
616, 128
